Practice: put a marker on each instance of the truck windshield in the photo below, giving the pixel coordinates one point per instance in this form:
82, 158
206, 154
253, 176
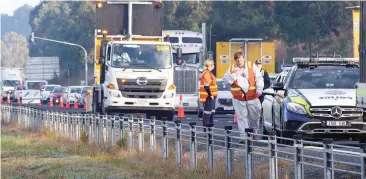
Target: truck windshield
320, 78
35, 85
11, 82
141, 56
189, 58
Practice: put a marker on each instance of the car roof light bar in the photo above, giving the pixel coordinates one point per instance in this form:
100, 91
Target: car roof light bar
325, 60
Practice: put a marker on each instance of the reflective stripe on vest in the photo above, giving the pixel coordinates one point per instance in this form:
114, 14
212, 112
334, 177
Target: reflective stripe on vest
237, 92
213, 87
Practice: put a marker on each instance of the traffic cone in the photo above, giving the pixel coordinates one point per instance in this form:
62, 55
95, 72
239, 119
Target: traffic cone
181, 108
67, 102
51, 100
76, 105
1, 100
18, 99
235, 119
61, 102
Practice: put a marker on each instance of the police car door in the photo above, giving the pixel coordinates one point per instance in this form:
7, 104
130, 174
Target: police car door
279, 97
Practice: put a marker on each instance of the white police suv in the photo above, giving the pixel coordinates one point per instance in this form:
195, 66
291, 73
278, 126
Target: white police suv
317, 98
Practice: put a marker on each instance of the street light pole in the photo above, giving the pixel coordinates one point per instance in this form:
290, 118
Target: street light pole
72, 44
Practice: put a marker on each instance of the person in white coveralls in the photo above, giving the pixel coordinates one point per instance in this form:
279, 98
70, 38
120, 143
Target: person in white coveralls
246, 85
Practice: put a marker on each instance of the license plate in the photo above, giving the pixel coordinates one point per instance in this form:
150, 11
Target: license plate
336, 123
142, 102
228, 108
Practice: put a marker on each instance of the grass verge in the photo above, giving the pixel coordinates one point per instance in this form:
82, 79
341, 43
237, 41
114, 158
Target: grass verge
31, 153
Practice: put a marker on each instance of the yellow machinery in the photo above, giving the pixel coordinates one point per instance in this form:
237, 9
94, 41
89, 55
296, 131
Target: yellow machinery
254, 49
356, 31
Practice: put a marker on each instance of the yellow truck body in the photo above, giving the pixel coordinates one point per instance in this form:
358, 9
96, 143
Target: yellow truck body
98, 41
224, 59
356, 32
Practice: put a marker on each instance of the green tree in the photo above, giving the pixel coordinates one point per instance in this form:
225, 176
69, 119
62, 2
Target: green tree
17, 23
14, 50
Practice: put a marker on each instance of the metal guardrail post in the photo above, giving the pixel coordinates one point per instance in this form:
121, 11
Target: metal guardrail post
228, 151
130, 136
272, 156
327, 157
152, 134
97, 128
363, 160
165, 139
121, 128
105, 127
193, 146
113, 119
178, 142
141, 134
210, 148
297, 159
248, 153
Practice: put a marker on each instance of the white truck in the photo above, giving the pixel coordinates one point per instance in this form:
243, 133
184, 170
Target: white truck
10, 78
134, 73
186, 76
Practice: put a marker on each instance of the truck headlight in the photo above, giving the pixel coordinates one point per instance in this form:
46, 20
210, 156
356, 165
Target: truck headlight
169, 95
296, 108
114, 94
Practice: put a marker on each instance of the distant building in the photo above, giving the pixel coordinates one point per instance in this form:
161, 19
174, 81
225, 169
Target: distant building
42, 68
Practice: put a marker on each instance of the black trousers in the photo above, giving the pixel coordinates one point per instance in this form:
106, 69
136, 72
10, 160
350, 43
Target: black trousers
209, 111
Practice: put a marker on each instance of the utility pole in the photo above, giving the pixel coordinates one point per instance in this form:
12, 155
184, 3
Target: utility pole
72, 44
362, 47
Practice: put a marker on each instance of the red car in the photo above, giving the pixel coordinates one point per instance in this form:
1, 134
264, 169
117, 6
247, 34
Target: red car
57, 92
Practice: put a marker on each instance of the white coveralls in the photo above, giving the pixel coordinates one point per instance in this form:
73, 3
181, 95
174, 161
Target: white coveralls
248, 112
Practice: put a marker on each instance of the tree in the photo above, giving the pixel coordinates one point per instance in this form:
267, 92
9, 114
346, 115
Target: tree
18, 23
14, 50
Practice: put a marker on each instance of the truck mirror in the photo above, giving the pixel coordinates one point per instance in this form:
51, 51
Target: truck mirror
179, 56
102, 51
101, 60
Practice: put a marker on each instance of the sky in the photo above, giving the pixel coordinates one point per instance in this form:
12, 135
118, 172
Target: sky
8, 6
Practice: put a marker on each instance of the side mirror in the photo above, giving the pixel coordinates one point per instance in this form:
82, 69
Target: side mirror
179, 56
278, 86
102, 51
269, 91
101, 60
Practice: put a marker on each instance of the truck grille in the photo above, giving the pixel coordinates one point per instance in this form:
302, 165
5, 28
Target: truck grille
344, 113
225, 102
154, 88
185, 81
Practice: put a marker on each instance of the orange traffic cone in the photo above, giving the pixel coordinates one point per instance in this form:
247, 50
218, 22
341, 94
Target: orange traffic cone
235, 119
67, 102
181, 108
1, 100
51, 100
61, 102
76, 105
18, 100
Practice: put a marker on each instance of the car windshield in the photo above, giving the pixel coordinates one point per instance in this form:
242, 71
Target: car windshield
189, 58
141, 56
35, 85
85, 89
58, 90
319, 78
75, 90
222, 86
49, 88
11, 82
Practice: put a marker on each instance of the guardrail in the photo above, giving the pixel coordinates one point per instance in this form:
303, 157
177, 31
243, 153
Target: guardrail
194, 144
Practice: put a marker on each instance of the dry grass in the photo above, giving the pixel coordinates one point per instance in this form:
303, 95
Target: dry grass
33, 153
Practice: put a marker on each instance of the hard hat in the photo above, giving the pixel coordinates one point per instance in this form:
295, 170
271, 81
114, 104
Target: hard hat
258, 62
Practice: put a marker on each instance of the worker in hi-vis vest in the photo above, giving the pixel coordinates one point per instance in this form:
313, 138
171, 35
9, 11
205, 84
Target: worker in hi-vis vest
267, 81
246, 85
208, 92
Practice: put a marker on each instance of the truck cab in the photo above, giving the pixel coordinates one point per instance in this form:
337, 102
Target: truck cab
137, 77
186, 75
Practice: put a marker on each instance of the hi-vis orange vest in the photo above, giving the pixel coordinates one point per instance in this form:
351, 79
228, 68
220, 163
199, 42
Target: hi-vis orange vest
237, 92
213, 87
